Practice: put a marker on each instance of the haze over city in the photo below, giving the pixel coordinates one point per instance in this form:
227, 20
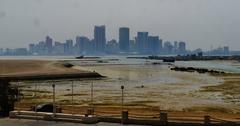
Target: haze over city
119, 62
200, 23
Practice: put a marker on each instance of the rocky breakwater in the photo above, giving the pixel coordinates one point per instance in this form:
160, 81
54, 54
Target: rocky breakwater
199, 70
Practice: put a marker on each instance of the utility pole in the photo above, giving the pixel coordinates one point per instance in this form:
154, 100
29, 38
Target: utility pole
92, 95
35, 95
18, 96
122, 87
54, 105
72, 97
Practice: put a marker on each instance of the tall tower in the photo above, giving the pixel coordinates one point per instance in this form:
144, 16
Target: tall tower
142, 42
69, 47
154, 44
182, 47
49, 44
124, 39
100, 38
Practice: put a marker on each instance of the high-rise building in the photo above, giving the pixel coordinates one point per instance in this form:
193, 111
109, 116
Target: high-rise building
82, 44
100, 38
124, 39
161, 45
142, 42
41, 48
154, 44
92, 46
78, 45
226, 50
132, 46
112, 47
68, 49
182, 48
168, 48
31, 48
58, 48
49, 44
175, 47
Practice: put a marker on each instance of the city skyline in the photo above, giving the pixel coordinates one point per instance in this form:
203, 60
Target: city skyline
202, 23
143, 44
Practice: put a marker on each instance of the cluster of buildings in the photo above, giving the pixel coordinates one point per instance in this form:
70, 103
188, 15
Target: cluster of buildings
219, 51
143, 44
13, 52
82, 45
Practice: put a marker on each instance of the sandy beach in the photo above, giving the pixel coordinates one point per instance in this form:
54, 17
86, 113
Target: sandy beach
20, 67
31, 68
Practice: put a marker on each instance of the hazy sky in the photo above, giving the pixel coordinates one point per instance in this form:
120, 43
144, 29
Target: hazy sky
201, 23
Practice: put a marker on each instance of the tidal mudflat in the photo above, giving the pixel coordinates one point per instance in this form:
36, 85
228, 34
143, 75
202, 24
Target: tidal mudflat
146, 86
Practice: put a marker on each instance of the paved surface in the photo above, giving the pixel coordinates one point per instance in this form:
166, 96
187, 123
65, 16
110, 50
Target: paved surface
24, 122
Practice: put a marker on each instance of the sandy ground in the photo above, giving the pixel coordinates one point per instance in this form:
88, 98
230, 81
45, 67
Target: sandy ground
34, 67
229, 89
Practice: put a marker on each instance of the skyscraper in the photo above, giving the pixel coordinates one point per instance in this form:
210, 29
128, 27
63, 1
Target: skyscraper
226, 50
182, 47
124, 39
82, 44
31, 48
142, 42
48, 44
68, 49
161, 45
154, 44
175, 47
58, 48
78, 45
168, 48
132, 46
100, 38
112, 47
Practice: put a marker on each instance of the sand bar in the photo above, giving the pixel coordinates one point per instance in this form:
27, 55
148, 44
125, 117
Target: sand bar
40, 69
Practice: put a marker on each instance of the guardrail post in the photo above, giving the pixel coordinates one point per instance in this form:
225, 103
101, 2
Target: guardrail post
48, 117
14, 114
124, 117
90, 111
163, 118
207, 120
